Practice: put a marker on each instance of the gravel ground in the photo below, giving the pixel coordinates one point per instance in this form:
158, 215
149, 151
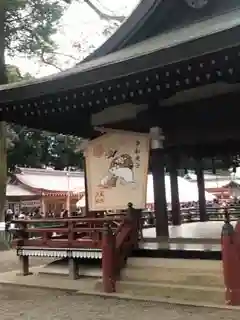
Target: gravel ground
33, 304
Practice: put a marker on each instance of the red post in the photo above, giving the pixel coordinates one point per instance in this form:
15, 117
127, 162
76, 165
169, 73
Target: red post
231, 264
133, 220
108, 258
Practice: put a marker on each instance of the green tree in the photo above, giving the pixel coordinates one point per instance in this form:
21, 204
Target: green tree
36, 148
14, 74
64, 151
30, 25
3, 80
26, 28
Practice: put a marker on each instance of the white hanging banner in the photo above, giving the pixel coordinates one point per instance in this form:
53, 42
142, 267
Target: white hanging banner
117, 168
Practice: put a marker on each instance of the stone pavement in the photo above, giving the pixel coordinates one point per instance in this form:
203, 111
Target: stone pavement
37, 304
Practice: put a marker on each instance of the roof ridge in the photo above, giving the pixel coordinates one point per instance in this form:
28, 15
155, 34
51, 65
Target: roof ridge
39, 171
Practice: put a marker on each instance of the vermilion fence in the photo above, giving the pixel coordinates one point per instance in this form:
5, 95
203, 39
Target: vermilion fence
115, 236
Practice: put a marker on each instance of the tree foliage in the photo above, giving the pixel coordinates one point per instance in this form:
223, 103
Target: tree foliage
26, 28
36, 148
30, 25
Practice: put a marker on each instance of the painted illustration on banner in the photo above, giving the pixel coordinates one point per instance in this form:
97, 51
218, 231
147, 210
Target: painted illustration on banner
121, 168
117, 166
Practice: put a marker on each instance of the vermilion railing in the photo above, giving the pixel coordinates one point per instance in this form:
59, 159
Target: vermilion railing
116, 248
114, 235
70, 233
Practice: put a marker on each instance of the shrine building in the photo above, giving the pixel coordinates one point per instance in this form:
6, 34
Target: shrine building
176, 79
47, 189
169, 74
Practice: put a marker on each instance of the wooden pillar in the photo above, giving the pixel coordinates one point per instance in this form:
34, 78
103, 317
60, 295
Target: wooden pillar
73, 269
176, 212
68, 198
24, 263
68, 206
201, 190
108, 259
43, 206
158, 174
87, 213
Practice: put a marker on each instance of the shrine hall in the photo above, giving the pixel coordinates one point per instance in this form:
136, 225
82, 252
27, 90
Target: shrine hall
167, 79
174, 79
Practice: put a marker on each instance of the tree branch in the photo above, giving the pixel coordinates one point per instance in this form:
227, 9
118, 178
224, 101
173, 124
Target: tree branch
102, 15
64, 55
16, 18
49, 63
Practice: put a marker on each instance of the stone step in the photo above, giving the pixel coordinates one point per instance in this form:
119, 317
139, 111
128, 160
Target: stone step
173, 276
174, 271
163, 271
170, 291
183, 264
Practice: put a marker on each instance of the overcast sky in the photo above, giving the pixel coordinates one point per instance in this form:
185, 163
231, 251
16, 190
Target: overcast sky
80, 23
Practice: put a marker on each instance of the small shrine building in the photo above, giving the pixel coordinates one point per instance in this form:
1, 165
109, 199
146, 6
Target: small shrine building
47, 189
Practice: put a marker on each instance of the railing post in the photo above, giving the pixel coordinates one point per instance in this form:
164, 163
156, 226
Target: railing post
108, 257
22, 234
24, 260
231, 264
134, 220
